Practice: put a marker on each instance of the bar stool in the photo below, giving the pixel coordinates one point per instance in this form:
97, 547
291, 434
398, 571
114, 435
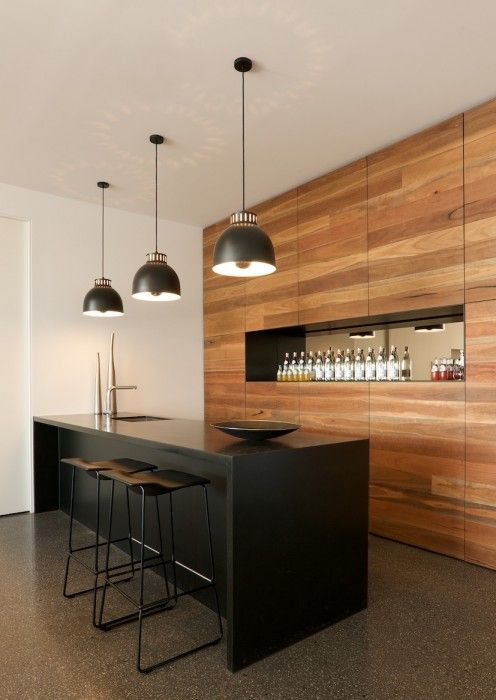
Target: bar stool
97, 470
148, 485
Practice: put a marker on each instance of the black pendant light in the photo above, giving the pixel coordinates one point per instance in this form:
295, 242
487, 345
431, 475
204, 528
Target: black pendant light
156, 280
243, 249
102, 300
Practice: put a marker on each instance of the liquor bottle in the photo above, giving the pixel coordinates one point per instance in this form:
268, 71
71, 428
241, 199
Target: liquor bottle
338, 367
284, 377
359, 366
301, 367
442, 369
380, 366
449, 370
435, 370
406, 366
329, 367
279, 373
393, 365
286, 363
462, 364
294, 368
348, 367
370, 366
311, 366
319, 368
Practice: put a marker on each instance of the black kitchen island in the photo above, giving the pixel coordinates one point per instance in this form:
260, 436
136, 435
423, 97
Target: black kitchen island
289, 517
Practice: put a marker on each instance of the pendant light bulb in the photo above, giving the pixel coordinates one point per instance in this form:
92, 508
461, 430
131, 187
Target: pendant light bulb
156, 280
102, 300
244, 249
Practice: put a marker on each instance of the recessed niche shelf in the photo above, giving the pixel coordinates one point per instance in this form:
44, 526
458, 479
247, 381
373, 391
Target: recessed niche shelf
265, 349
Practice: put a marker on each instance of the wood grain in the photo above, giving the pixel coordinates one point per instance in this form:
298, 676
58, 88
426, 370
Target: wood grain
415, 221
338, 408
417, 464
269, 401
223, 297
480, 506
272, 301
480, 202
332, 245
224, 395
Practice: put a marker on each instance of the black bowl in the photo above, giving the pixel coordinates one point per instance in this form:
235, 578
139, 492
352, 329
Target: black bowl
255, 429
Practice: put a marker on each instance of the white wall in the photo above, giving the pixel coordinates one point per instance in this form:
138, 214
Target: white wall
159, 347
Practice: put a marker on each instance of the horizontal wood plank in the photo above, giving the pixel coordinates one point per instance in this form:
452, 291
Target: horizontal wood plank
269, 401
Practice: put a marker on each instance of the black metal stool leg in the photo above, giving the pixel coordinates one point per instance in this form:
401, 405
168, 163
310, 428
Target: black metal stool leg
142, 572
107, 557
161, 542
73, 479
173, 548
130, 535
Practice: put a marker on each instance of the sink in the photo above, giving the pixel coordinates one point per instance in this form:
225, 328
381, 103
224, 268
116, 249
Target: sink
138, 419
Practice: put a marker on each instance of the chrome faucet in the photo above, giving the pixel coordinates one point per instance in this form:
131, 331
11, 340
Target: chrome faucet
108, 410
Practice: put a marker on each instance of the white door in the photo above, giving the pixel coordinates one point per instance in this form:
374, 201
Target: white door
15, 472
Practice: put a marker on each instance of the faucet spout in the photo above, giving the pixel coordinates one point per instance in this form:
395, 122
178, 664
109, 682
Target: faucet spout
108, 411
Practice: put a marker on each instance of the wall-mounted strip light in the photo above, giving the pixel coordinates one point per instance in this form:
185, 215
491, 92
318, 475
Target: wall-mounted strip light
430, 328
362, 334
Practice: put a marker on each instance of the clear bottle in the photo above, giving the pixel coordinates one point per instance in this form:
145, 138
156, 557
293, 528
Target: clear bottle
339, 367
301, 367
359, 366
435, 370
348, 367
284, 377
286, 363
462, 365
279, 373
311, 366
380, 366
406, 366
294, 368
370, 366
393, 366
319, 368
329, 367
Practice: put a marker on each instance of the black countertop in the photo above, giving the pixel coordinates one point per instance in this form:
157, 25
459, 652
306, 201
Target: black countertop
189, 435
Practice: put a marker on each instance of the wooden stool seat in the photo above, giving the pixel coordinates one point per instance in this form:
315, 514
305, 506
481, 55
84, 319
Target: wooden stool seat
129, 466
158, 482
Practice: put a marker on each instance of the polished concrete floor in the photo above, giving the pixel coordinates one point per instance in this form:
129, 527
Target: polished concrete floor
429, 632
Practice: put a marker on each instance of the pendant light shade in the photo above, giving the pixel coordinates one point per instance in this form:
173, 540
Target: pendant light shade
243, 249
156, 280
102, 300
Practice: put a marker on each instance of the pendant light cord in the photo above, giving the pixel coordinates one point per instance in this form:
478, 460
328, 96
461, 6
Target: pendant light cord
243, 130
103, 232
156, 198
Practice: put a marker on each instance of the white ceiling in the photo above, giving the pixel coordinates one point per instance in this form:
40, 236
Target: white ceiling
83, 84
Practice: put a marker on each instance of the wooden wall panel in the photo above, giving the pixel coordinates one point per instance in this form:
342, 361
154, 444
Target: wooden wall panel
480, 506
415, 221
224, 395
223, 297
272, 301
269, 401
332, 245
338, 408
480, 202
417, 463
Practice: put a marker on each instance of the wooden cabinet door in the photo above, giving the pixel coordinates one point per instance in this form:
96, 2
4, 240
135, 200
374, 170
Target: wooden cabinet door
332, 245
415, 221
417, 464
480, 492
480, 202
273, 401
224, 366
272, 301
223, 297
337, 408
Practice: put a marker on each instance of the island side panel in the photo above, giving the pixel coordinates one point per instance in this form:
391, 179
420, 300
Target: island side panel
299, 545
45, 467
